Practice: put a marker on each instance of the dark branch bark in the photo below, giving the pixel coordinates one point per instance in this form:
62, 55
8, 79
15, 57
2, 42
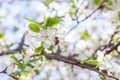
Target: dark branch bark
112, 36
18, 49
14, 77
110, 46
75, 62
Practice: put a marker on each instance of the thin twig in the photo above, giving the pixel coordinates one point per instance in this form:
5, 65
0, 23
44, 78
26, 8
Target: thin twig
14, 77
107, 48
110, 46
78, 22
115, 32
113, 47
18, 49
21, 44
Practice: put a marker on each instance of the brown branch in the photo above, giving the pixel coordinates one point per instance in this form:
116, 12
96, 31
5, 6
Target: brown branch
14, 77
115, 32
110, 46
21, 44
18, 49
99, 7
73, 61
107, 48
7, 52
78, 22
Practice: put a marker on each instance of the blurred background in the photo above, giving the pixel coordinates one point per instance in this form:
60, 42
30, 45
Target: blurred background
13, 25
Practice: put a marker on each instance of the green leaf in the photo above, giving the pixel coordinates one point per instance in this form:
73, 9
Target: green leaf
71, 13
85, 35
42, 43
41, 58
47, 2
118, 14
88, 58
46, 59
36, 71
114, 40
50, 22
23, 55
33, 60
96, 2
34, 27
102, 77
30, 65
73, 4
109, 2
81, 61
21, 66
118, 27
26, 74
9, 45
14, 58
44, 27
1, 35
30, 20
17, 73
39, 49
51, 48
93, 62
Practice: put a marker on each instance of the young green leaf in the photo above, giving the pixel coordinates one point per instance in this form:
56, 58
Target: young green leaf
81, 61
23, 55
110, 2
47, 2
114, 40
93, 62
1, 35
30, 20
34, 27
21, 66
36, 71
41, 58
52, 22
118, 14
39, 49
30, 65
96, 2
88, 58
73, 4
33, 60
50, 48
85, 35
17, 73
26, 74
71, 13
101, 77
42, 43
14, 58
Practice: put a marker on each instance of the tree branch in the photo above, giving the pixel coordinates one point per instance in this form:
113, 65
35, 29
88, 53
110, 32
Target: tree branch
18, 49
73, 61
78, 22
110, 46
115, 32
14, 77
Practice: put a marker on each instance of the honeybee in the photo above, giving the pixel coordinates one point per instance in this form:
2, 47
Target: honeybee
56, 40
